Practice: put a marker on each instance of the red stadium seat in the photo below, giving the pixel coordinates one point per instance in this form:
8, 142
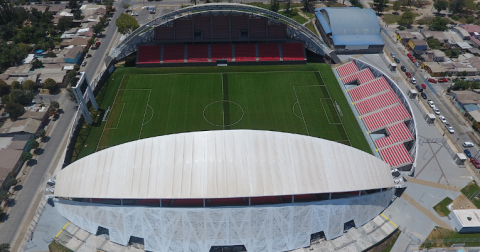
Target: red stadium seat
173, 53
221, 51
197, 53
293, 51
149, 54
245, 52
268, 52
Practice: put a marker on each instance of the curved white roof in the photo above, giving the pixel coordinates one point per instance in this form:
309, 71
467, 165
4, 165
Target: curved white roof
222, 164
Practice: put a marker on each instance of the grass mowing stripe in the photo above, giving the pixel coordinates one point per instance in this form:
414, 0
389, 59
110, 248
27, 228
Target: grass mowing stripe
191, 99
226, 103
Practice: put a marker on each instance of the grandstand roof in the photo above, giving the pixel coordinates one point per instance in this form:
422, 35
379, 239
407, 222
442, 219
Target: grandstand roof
350, 26
222, 164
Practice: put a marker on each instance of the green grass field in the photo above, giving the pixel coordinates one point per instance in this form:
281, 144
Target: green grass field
301, 99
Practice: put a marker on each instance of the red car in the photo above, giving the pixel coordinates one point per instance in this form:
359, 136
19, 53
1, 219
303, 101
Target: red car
432, 80
475, 162
409, 55
413, 60
424, 86
442, 80
408, 74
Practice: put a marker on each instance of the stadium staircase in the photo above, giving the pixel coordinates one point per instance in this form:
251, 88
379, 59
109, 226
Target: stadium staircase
380, 109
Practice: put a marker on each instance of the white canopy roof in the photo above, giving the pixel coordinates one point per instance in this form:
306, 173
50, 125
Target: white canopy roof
222, 164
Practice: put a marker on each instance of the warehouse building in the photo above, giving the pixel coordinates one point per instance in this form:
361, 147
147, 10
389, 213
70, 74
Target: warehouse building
349, 30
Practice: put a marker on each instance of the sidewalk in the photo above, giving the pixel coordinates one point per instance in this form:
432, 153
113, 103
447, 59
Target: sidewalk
427, 213
433, 184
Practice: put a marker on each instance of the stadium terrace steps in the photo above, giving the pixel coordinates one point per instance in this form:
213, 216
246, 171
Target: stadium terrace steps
347, 69
386, 117
245, 52
368, 89
268, 52
377, 102
380, 108
197, 53
293, 52
149, 54
362, 76
397, 133
396, 155
239, 52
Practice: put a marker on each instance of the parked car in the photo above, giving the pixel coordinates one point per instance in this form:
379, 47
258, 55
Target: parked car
408, 74
432, 80
413, 80
404, 69
449, 128
393, 55
409, 55
84, 63
419, 88
468, 144
88, 56
414, 60
135, 14
475, 162
396, 60
430, 103
436, 111
424, 96
467, 152
442, 80
424, 86
442, 119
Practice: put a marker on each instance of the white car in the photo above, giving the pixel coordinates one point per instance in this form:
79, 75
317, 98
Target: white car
413, 80
430, 103
436, 110
468, 144
449, 128
442, 119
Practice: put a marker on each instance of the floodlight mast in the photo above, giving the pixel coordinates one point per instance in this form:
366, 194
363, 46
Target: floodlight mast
82, 99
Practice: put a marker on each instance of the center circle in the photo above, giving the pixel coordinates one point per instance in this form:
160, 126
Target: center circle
223, 113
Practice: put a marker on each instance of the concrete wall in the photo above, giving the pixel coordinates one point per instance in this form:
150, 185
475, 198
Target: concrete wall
260, 228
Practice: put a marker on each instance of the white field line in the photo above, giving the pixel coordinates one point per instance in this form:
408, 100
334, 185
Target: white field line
148, 100
113, 104
223, 110
343, 126
326, 114
303, 117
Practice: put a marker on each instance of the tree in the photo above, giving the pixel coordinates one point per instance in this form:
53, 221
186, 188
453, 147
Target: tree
380, 5
10, 182
456, 6
71, 95
433, 43
26, 156
16, 85
14, 110
33, 144
126, 24
29, 85
439, 24
396, 5
51, 85
470, 20
41, 133
287, 7
55, 104
407, 18
65, 23
21, 97
98, 28
51, 54
274, 5
440, 5
475, 85
37, 64
4, 88
4, 195
70, 78
126, 6
4, 247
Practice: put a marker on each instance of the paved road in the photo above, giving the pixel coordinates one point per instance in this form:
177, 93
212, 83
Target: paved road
462, 133
26, 197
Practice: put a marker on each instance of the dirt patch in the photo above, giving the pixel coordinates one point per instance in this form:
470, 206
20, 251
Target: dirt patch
461, 202
386, 245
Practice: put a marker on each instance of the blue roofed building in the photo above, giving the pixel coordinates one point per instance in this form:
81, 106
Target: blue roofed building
349, 30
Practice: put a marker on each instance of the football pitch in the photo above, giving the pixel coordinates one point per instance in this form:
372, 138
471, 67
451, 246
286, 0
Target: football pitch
304, 100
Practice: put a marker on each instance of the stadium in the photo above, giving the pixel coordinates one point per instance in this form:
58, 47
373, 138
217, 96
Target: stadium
265, 153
